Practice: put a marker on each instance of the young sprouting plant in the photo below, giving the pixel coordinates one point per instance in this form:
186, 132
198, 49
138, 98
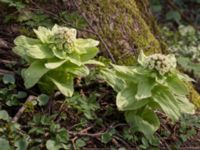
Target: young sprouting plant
152, 84
55, 57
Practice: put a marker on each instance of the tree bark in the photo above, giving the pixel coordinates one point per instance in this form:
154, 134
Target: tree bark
123, 27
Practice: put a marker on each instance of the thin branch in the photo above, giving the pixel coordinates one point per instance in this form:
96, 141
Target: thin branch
4, 61
22, 109
2, 72
87, 134
122, 141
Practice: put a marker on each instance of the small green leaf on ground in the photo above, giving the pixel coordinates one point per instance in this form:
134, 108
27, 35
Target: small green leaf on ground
8, 78
43, 99
80, 143
4, 115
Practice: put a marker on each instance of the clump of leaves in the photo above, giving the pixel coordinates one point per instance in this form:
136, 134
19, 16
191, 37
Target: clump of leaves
14, 3
172, 11
185, 45
54, 136
152, 84
9, 94
55, 57
34, 19
85, 105
11, 136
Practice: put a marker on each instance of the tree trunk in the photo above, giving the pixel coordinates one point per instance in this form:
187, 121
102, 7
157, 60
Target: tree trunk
123, 27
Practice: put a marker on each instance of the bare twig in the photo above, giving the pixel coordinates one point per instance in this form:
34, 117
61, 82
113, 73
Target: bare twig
87, 134
73, 142
122, 141
22, 109
4, 61
164, 142
2, 72
86, 129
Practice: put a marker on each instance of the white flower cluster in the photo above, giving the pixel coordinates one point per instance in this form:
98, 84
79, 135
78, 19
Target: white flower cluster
161, 63
64, 38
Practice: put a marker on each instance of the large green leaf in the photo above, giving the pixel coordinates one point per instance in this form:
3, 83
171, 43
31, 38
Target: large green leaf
91, 52
126, 99
167, 102
33, 74
59, 53
112, 79
144, 88
64, 83
185, 105
146, 121
131, 73
125, 72
53, 64
82, 45
80, 71
39, 51
66, 67
23, 43
43, 34
75, 61
176, 85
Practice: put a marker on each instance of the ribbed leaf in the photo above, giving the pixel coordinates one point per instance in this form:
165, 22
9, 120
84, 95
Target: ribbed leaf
126, 99
65, 84
80, 71
82, 45
39, 51
144, 88
91, 52
44, 34
53, 64
146, 121
33, 74
185, 105
114, 81
23, 43
176, 85
167, 102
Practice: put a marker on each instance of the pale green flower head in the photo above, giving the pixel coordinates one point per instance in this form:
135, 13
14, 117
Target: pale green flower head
159, 62
65, 36
64, 32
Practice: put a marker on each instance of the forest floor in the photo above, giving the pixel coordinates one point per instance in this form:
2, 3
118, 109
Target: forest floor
10, 64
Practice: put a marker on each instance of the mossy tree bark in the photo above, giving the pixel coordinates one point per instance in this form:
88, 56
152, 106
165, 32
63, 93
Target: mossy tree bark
123, 27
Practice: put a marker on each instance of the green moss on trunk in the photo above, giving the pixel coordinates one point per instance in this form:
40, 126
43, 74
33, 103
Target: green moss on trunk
122, 27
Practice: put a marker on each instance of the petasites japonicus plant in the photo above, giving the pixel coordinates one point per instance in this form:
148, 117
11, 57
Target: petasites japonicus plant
153, 84
55, 57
